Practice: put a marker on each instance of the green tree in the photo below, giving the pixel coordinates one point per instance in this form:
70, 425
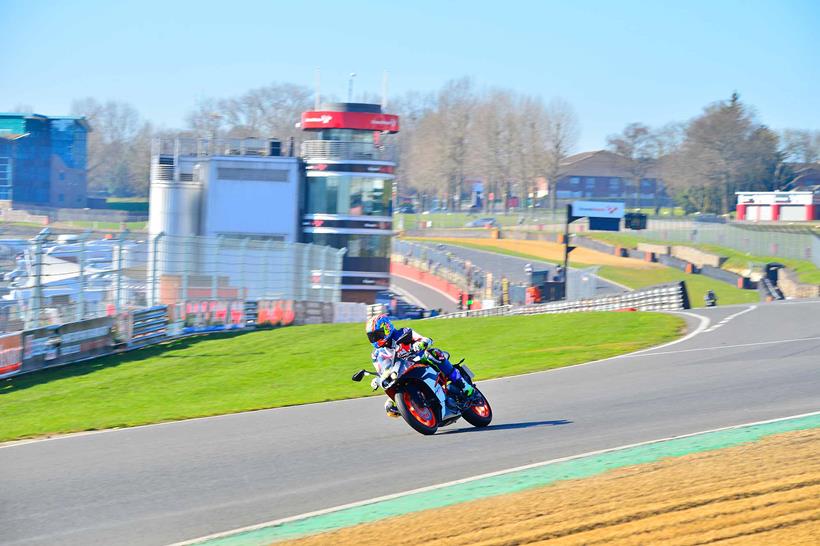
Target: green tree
724, 150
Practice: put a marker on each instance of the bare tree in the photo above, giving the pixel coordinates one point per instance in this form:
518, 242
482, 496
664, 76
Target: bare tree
561, 131
455, 105
801, 146
638, 145
117, 144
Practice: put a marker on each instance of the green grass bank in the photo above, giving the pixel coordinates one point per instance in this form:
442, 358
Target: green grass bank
196, 377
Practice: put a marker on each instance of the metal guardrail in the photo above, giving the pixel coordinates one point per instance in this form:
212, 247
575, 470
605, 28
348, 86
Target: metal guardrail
668, 297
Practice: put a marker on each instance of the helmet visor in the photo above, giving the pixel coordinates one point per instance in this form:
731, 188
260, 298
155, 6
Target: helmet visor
375, 335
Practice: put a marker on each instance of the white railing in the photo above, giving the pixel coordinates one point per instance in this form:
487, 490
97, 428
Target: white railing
669, 297
341, 150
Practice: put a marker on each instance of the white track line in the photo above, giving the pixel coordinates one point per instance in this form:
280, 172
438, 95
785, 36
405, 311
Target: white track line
356, 504
704, 324
735, 346
730, 317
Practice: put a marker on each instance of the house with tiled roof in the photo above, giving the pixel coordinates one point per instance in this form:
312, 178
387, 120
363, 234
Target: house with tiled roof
604, 175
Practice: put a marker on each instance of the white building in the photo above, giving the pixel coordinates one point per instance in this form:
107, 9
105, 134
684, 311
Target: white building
785, 206
231, 187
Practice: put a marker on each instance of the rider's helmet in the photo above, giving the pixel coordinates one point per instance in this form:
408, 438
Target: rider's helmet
379, 330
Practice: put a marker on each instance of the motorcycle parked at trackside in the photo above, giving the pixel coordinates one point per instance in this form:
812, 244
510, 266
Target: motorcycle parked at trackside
422, 394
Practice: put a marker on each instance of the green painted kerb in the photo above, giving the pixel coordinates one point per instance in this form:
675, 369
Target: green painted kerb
514, 481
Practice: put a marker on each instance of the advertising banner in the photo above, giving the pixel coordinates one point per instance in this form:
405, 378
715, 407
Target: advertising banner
40, 348
597, 209
79, 340
275, 313
11, 354
213, 316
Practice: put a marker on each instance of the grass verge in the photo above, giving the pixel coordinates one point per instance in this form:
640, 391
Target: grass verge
196, 377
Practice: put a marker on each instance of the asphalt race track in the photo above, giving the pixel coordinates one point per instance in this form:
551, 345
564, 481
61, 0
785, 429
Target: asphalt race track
513, 268
172, 482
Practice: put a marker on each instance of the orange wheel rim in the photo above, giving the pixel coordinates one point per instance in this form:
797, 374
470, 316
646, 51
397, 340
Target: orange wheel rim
483, 410
422, 414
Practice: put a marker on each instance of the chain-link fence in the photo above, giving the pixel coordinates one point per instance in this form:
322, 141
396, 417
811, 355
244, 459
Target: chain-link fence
74, 277
785, 241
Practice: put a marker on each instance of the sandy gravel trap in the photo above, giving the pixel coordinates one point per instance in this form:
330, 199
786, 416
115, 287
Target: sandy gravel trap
767, 492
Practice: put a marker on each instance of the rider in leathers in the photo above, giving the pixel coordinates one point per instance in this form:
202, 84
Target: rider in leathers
382, 334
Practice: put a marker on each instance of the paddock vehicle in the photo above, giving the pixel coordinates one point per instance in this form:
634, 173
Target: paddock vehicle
422, 394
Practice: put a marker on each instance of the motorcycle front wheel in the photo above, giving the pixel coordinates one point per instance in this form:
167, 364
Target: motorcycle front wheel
479, 413
416, 408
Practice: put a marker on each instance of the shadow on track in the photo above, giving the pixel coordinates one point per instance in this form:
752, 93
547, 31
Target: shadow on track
511, 426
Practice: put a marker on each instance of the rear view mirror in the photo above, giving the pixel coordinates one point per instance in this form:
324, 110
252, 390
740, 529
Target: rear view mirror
358, 375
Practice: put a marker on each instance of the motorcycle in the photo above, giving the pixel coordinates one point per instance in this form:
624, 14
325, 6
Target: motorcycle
710, 300
421, 392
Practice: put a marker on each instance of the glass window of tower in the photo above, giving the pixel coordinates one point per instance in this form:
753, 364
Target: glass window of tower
346, 135
349, 195
358, 246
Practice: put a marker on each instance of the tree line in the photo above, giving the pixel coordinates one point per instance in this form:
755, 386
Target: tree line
462, 133
725, 149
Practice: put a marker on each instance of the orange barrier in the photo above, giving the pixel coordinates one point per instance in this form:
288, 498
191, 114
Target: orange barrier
426, 278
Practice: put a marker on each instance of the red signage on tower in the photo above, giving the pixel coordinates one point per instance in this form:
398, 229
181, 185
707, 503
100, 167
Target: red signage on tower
350, 120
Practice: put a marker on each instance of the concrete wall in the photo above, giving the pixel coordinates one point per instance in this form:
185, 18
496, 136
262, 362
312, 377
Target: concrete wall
653, 248
697, 257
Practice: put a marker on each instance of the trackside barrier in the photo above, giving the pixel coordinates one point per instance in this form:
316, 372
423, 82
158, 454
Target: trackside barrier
664, 297
58, 345
375, 310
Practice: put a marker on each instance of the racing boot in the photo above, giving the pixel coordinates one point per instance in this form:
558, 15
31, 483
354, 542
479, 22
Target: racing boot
391, 409
458, 382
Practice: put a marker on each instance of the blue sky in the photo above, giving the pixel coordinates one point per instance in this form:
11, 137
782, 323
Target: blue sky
615, 62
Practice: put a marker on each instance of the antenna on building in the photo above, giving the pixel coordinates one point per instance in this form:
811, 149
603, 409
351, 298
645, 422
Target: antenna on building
384, 90
317, 99
350, 87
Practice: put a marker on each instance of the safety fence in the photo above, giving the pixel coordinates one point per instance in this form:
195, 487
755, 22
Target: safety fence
56, 279
57, 345
787, 241
664, 297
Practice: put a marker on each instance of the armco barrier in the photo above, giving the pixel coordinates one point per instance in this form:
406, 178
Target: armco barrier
721, 274
673, 262
593, 245
50, 346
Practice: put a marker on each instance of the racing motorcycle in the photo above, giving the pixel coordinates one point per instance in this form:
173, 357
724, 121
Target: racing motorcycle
422, 394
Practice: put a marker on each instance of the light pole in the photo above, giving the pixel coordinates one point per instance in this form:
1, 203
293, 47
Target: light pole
350, 87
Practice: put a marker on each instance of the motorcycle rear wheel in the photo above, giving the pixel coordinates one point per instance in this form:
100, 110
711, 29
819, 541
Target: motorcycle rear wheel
417, 410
